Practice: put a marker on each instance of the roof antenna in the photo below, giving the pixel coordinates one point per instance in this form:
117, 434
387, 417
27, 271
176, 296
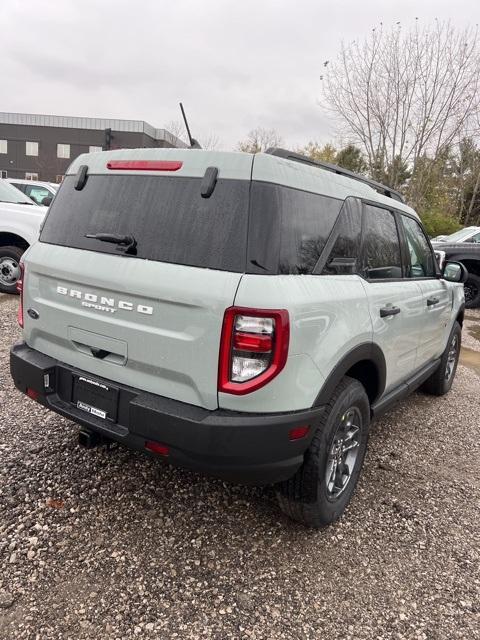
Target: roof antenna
194, 144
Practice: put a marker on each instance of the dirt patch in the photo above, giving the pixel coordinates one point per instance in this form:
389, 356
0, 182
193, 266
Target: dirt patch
471, 359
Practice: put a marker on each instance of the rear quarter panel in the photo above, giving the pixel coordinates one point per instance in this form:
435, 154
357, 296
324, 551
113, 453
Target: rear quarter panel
328, 317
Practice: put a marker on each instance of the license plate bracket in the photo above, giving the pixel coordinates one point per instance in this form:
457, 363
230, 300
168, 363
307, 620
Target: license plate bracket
95, 397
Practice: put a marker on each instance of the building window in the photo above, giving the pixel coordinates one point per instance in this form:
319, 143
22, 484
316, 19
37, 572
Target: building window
31, 148
31, 176
59, 178
3, 146
63, 151
3, 174
93, 149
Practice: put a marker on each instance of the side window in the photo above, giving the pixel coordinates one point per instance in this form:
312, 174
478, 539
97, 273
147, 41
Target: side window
475, 238
381, 246
288, 228
344, 256
37, 193
422, 260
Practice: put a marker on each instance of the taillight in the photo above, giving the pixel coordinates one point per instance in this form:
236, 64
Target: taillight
20, 283
253, 348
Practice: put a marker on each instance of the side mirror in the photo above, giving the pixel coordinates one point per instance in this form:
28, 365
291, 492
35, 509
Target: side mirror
440, 256
47, 201
455, 272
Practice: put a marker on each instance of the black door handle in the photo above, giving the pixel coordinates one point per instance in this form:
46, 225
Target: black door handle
389, 311
432, 301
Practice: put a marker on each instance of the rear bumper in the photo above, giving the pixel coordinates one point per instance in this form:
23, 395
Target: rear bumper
240, 447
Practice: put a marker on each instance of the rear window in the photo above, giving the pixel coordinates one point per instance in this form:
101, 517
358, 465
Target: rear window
167, 216
288, 228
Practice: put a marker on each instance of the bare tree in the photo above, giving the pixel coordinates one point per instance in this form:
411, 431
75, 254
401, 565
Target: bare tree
260, 139
402, 96
211, 141
177, 128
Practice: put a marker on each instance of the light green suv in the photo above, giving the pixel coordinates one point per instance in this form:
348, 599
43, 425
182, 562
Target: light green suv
241, 315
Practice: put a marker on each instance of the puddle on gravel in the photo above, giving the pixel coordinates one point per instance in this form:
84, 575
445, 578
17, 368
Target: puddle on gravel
475, 331
471, 359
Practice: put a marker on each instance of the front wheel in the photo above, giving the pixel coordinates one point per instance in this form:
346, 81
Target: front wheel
322, 488
472, 291
9, 268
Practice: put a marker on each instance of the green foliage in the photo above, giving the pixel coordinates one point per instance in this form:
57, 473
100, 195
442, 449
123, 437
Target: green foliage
351, 158
437, 224
321, 153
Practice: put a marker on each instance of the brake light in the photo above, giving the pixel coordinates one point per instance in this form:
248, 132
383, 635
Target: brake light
253, 348
145, 165
20, 283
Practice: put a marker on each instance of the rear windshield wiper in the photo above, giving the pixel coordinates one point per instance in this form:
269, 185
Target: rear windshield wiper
126, 241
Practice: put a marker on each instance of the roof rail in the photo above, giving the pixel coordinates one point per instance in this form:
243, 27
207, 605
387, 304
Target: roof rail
298, 157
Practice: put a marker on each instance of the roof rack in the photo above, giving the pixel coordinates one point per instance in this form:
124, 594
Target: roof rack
298, 157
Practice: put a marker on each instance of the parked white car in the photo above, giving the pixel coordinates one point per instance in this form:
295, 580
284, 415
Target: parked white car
42, 193
469, 234
20, 221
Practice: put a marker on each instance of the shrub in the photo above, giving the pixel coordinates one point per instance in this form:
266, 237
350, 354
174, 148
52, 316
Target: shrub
439, 224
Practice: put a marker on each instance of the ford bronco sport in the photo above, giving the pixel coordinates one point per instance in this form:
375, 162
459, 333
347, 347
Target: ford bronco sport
240, 315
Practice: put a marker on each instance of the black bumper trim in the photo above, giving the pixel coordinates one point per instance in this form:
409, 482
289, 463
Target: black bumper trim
241, 447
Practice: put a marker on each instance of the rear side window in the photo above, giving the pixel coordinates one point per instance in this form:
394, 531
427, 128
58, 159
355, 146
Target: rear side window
381, 246
167, 216
288, 228
344, 256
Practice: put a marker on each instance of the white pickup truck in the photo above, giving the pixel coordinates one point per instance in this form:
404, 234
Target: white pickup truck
20, 221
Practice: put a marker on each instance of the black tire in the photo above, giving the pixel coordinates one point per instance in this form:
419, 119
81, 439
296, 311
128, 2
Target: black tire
441, 381
307, 497
472, 291
9, 270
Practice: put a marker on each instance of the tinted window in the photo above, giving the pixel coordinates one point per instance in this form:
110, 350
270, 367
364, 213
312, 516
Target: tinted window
288, 228
382, 258
422, 261
167, 216
344, 256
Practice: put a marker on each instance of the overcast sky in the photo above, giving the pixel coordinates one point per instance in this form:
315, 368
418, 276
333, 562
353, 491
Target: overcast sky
236, 65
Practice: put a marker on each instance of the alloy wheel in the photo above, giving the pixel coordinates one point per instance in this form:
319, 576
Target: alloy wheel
343, 453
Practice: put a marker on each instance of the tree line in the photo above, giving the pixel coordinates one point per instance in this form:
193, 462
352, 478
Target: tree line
407, 108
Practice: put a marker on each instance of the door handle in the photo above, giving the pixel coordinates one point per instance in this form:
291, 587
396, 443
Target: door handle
432, 301
389, 311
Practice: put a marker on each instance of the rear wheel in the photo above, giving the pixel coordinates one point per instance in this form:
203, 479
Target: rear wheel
441, 381
472, 291
323, 486
9, 268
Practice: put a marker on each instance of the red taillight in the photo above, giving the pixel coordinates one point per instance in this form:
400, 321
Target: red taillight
253, 348
20, 283
251, 342
298, 433
158, 448
144, 165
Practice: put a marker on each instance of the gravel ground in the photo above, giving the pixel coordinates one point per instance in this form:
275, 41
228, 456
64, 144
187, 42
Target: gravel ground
108, 544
